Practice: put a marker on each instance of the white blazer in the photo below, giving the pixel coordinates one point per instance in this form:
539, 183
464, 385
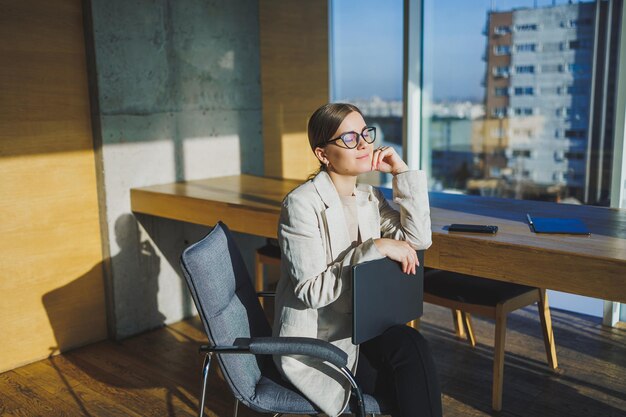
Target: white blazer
314, 295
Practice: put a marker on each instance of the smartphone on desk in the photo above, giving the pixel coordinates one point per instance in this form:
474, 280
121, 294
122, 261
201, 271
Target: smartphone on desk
472, 228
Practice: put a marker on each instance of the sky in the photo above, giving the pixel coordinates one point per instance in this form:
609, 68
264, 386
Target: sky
367, 46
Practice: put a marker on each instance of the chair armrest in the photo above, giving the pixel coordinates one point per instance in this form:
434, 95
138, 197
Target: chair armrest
224, 349
307, 346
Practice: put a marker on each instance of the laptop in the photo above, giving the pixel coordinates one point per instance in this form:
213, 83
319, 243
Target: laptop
383, 296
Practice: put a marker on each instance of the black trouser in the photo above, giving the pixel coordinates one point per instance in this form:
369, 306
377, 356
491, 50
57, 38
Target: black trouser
399, 367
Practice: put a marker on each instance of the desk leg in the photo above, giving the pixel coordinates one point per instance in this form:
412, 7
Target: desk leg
498, 359
546, 328
260, 280
457, 317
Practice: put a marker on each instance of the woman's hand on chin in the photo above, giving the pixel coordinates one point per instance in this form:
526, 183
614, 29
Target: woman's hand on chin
385, 159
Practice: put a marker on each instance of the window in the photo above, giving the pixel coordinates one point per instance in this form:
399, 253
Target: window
525, 47
577, 89
547, 90
550, 68
572, 155
499, 112
502, 49
550, 111
502, 30
571, 90
574, 175
521, 153
559, 156
578, 69
523, 111
523, 133
558, 176
379, 94
531, 92
501, 91
526, 27
501, 71
574, 23
575, 133
563, 112
551, 47
523, 91
580, 44
525, 69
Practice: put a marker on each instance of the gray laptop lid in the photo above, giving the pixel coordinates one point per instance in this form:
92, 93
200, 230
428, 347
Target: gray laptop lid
383, 296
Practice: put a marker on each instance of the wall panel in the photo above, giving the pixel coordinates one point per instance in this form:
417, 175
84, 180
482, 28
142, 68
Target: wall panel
51, 288
294, 81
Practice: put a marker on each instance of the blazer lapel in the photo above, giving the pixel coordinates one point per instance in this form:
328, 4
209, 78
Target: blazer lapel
335, 219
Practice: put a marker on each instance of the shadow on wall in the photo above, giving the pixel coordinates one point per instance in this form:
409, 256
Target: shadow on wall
170, 238
137, 267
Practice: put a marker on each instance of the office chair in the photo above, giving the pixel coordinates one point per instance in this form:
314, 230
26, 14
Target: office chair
466, 294
240, 336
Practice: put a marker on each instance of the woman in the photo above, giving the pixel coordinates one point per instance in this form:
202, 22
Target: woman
330, 223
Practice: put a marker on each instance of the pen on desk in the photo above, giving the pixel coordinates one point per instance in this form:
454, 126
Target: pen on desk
530, 221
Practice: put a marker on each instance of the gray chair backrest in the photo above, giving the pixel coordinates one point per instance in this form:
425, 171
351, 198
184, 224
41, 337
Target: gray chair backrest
227, 304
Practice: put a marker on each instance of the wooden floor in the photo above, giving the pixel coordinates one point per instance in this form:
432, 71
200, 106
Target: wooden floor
157, 373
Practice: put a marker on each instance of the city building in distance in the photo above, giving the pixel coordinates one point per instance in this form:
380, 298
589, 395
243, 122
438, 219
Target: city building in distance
541, 102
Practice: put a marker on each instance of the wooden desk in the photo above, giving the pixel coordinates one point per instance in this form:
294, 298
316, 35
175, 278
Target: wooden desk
587, 265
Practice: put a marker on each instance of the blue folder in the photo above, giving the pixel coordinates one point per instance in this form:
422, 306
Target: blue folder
558, 225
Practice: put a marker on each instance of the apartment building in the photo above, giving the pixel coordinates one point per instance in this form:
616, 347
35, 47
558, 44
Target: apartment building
539, 96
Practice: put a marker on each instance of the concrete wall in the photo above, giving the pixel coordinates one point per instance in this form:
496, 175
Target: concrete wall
179, 98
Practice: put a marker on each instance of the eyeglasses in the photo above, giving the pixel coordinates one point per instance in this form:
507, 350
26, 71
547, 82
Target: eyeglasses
351, 139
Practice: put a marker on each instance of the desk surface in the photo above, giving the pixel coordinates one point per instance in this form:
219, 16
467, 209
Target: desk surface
587, 265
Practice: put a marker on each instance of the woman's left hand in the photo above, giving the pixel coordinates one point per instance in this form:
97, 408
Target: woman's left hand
385, 159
